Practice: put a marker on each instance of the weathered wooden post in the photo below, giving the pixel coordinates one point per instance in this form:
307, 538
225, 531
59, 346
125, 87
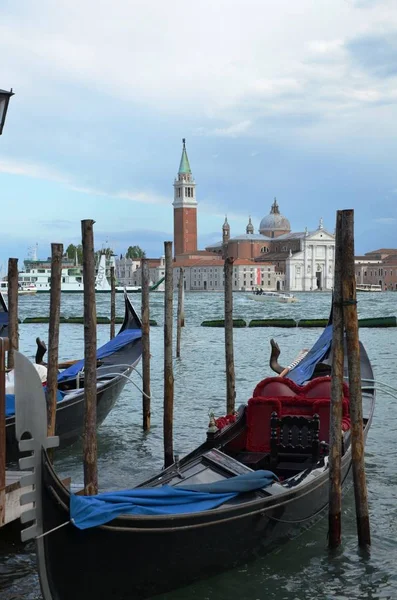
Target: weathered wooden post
168, 368
230, 375
183, 302
335, 442
53, 336
90, 361
179, 313
4, 345
112, 304
12, 310
353, 357
145, 345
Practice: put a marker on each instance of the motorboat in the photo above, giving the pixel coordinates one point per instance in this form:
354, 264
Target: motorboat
267, 296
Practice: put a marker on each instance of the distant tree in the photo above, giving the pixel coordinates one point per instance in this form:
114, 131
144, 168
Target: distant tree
71, 253
135, 252
108, 251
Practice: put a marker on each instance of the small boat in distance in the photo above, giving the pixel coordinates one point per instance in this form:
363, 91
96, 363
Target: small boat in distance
266, 296
24, 289
368, 287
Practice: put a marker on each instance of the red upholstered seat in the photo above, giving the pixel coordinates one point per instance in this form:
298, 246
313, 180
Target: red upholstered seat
259, 411
322, 408
320, 387
297, 406
276, 387
285, 397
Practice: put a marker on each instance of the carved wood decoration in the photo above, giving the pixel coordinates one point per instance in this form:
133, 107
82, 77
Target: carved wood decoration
294, 435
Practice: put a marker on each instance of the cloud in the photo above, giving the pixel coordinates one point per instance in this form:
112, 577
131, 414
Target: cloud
59, 224
38, 171
386, 220
325, 46
234, 130
375, 53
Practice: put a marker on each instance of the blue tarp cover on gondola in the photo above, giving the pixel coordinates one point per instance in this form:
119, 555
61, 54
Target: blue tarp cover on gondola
10, 402
304, 370
118, 342
91, 511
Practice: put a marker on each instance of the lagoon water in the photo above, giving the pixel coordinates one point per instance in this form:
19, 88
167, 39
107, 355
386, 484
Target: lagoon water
300, 570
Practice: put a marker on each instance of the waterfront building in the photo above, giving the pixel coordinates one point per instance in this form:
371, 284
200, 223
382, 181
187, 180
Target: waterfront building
305, 259
274, 258
378, 267
129, 272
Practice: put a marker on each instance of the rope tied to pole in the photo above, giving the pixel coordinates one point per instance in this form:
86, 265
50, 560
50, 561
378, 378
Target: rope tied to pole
342, 303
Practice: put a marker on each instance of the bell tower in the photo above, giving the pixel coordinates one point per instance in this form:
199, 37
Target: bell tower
185, 208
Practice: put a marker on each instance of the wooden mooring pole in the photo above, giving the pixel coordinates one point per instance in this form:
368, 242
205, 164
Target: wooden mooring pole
229, 353
53, 336
183, 301
353, 357
168, 368
90, 344
145, 316
112, 303
180, 315
4, 345
335, 443
12, 310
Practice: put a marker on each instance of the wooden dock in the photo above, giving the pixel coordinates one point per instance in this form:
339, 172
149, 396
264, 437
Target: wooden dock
12, 507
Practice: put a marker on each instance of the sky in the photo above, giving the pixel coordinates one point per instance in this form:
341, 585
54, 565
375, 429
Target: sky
276, 98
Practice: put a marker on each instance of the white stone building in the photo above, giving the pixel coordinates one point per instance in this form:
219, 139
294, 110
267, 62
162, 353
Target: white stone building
312, 267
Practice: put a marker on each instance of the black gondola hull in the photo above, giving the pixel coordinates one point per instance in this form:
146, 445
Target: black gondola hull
139, 558
70, 413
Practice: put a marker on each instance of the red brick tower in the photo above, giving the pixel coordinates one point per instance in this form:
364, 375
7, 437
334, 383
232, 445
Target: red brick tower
185, 208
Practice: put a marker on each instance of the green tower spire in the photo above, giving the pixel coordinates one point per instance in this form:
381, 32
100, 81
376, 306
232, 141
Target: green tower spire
184, 167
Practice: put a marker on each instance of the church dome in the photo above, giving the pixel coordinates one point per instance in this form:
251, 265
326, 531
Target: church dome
274, 223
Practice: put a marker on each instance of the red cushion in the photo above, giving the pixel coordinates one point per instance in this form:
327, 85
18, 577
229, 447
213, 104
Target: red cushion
322, 408
320, 387
276, 387
259, 411
296, 406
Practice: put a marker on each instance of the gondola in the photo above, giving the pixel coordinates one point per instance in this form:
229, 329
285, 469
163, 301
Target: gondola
3, 317
255, 482
116, 360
